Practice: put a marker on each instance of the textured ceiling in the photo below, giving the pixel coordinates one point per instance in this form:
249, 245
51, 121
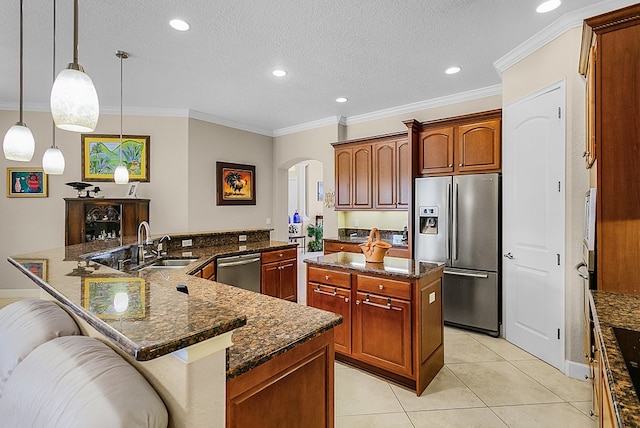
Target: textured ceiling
378, 53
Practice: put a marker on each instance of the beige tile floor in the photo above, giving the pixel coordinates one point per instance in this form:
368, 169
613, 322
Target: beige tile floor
486, 382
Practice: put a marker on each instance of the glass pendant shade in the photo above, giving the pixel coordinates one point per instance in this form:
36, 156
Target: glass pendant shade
18, 143
53, 161
121, 175
74, 101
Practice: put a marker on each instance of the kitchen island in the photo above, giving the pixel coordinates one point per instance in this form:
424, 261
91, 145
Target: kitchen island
392, 314
178, 340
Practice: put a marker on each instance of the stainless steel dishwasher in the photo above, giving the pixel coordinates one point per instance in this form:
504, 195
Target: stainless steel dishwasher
240, 271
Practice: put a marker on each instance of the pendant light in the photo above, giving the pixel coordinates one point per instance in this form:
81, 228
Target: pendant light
18, 143
53, 159
74, 101
121, 174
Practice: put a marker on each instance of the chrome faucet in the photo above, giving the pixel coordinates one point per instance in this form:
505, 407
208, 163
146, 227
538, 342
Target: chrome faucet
160, 246
142, 225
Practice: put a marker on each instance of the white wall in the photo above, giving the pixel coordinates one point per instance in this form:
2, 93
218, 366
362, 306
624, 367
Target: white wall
208, 143
556, 61
30, 224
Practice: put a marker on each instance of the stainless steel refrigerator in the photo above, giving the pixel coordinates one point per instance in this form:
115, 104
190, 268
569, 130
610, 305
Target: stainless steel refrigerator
457, 222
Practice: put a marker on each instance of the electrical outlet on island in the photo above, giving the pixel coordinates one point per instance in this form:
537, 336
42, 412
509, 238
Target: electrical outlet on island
242, 238
187, 242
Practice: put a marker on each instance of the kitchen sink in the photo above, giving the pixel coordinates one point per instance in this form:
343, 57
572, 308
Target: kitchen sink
168, 263
629, 343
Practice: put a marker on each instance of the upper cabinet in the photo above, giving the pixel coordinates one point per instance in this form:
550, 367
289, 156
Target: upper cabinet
460, 145
610, 58
373, 174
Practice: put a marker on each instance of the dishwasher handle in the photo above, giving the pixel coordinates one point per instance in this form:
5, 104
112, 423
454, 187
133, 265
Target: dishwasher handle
223, 263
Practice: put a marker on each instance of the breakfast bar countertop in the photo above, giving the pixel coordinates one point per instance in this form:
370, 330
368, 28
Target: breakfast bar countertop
618, 310
156, 319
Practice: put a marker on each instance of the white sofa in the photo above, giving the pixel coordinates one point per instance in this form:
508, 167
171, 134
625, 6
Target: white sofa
52, 376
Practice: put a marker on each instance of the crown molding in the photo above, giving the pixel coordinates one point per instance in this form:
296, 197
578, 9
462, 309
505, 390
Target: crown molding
554, 30
427, 104
194, 114
333, 120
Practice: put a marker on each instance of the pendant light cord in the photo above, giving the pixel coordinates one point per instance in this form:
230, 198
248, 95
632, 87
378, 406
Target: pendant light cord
75, 31
53, 130
121, 58
21, 78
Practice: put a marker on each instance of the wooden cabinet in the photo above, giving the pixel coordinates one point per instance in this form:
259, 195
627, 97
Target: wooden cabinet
294, 389
374, 173
89, 219
353, 177
391, 182
279, 274
461, 145
208, 271
610, 55
392, 327
331, 291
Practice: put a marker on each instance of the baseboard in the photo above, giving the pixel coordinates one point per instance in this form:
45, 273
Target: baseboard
576, 370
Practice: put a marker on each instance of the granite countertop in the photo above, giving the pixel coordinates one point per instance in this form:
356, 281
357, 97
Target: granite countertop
391, 266
618, 310
160, 320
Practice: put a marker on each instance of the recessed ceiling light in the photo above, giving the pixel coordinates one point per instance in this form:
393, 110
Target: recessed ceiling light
452, 70
279, 73
179, 24
548, 6
341, 100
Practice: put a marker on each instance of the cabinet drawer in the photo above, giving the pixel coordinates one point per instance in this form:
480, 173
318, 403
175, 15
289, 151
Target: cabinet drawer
208, 272
330, 277
398, 252
275, 256
386, 287
336, 247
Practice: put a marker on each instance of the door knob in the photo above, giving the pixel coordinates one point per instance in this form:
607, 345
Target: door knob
509, 256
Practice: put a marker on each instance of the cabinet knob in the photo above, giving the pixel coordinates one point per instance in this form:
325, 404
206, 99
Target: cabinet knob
461, 164
450, 165
381, 287
346, 300
357, 302
326, 277
281, 254
341, 248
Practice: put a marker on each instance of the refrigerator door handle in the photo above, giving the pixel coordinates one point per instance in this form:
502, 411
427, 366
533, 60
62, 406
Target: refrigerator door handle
447, 246
473, 275
454, 227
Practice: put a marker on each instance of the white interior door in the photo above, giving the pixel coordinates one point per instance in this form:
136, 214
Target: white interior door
533, 224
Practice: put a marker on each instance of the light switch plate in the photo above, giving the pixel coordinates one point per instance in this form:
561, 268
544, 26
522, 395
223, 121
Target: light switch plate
432, 297
242, 238
187, 242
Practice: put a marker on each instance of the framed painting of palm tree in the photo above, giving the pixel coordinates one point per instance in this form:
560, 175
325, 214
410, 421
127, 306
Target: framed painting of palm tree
236, 184
101, 156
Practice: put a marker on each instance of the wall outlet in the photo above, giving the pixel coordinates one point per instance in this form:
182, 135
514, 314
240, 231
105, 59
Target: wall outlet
187, 242
187, 254
268, 220
242, 238
356, 223
242, 247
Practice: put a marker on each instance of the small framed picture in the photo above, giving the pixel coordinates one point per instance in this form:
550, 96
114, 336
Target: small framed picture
236, 184
25, 182
133, 189
38, 267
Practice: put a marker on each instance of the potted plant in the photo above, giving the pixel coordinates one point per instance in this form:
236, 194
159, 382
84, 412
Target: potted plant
315, 233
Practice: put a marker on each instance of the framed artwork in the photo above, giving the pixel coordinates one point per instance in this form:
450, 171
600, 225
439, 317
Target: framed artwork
101, 156
320, 191
133, 189
236, 184
114, 298
25, 182
38, 267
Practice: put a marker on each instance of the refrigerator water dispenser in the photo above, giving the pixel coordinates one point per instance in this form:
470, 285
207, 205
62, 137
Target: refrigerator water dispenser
429, 220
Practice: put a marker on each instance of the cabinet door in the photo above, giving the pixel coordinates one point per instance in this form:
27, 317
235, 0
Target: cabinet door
270, 279
336, 300
74, 233
478, 146
385, 182
436, 150
404, 174
362, 177
382, 332
343, 177
288, 284
590, 149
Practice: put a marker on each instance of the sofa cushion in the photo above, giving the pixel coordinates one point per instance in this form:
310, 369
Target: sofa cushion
25, 325
78, 381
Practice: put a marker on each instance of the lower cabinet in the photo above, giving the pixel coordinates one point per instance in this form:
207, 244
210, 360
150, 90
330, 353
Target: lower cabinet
392, 327
294, 389
279, 274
